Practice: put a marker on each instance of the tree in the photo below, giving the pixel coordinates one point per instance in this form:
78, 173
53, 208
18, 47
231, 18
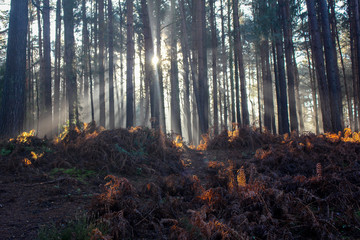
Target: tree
149, 71
46, 85
12, 113
331, 69
214, 59
174, 76
186, 60
111, 66
283, 5
239, 50
101, 63
318, 53
202, 90
70, 73
57, 66
282, 104
129, 64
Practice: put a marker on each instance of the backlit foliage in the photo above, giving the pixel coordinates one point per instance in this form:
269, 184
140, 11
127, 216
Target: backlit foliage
27, 162
203, 142
24, 137
241, 178
178, 142
36, 156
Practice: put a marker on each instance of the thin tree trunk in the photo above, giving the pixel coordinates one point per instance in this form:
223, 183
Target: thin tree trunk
159, 64
149, 71
70, 74
185, 53
174, 77
129, 65
111, 66
101, 63
214, 72
289, 64
239, 50
224, 64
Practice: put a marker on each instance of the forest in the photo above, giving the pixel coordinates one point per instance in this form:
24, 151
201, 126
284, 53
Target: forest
179, 119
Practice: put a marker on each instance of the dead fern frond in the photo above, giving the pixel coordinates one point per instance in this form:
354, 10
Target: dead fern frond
241, 178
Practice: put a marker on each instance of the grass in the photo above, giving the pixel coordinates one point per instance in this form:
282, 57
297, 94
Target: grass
79, 229
79, 174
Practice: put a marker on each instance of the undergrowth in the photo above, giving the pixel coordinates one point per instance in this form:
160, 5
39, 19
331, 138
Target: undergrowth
79, 229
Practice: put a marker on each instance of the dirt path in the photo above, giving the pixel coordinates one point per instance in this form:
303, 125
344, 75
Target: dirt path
27, 204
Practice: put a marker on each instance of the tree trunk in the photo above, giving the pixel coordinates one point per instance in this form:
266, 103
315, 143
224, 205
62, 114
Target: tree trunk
282, 83
46, 84
56, 121
159, 64
111, 66
214, 72
70, 73
12, 112
224, 65
149, 71
258, 89
289, 63
174, 76
202, 86
239, 50
185, 53
277, 84
231, 64
331, 67
101, 64
320, 68
129, 64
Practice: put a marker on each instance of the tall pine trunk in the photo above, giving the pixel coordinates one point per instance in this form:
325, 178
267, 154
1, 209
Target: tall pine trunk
129, 64
214, 72
12, 112
57, 67
239, 50
331, 69
174, 76
320, 67
111, 66
101, 67
289, 64
70, 73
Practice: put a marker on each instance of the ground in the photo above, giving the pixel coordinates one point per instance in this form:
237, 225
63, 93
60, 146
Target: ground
141, 184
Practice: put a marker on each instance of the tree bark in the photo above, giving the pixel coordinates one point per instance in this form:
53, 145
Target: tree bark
331, 68
70, 73
289, 63
101, 66
239, 50
149, 71
56, 121
282, 83
214, 72
111, 66
186, 60
129, 64
12, 112
320, 67
174, 76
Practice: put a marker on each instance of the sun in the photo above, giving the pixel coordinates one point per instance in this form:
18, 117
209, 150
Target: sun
155, 60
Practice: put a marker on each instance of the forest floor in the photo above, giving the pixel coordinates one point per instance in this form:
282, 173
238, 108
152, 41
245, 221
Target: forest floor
141, 184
